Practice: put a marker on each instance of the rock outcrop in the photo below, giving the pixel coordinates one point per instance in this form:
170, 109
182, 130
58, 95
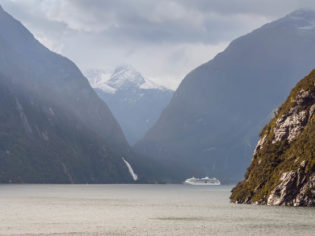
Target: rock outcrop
290, 125
295, 189
282, 171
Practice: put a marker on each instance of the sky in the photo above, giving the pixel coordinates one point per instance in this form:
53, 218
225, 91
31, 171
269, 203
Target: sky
162, 39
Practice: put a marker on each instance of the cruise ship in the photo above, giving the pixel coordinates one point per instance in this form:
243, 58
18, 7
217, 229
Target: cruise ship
202, 181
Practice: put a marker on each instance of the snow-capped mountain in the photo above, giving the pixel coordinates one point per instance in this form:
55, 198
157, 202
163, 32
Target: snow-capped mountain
99, 78
123, 77
135, 101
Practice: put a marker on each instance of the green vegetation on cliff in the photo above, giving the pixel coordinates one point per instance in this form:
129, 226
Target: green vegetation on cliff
282, 171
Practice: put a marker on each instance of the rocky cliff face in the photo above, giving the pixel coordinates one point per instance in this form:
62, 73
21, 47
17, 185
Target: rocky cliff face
282, 171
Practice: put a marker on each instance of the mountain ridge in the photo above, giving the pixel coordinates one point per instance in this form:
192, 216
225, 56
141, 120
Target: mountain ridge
208, 124
56, 131
123, 77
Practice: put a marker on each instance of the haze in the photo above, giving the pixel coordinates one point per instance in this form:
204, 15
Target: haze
163, 39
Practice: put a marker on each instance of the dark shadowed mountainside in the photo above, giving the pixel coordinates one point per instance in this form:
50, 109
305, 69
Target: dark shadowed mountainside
53, 126
210, 126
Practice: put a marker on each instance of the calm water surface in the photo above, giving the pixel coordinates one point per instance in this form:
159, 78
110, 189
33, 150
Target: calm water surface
141, 210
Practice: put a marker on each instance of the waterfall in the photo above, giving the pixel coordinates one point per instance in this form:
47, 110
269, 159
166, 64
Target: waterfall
132, 173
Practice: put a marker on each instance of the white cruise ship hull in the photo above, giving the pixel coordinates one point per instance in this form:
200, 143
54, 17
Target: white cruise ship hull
203, 184
203, 181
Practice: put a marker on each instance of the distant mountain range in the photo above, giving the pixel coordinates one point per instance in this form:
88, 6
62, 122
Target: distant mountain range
53, 126
136, 102
210, 126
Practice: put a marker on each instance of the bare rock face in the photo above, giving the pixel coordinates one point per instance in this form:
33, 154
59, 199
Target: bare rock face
260, 144
312, 110
290, 125
306, 196
295, 189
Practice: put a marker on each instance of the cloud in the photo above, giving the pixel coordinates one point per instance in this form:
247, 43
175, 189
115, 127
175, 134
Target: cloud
164, 39
51, 44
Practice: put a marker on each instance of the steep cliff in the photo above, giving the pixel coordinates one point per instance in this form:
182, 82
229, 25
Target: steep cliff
282, 171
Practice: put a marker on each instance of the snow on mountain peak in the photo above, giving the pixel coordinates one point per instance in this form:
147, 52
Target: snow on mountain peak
98, 79
123, 77
126, 76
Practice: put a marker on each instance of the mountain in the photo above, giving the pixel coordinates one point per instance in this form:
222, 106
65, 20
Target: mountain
210, 126
53, 126
282, 171
136, 102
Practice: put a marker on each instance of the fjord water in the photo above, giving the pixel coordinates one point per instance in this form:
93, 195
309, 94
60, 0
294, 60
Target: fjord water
141, 210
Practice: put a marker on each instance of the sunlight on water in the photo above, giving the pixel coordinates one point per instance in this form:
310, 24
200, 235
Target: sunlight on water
141, 210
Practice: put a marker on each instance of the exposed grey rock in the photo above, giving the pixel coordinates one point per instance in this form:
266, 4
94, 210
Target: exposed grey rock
304, 97
312, 110
295, 189
306, 196
260, 144
280, 194
290, 125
